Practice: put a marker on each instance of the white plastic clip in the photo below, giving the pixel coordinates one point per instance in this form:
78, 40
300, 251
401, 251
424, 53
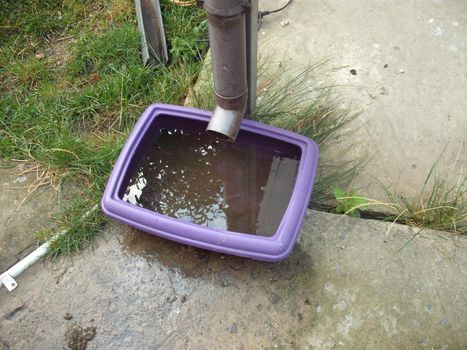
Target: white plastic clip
9, 282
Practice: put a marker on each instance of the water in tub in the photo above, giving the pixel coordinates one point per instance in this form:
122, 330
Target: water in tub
243, 186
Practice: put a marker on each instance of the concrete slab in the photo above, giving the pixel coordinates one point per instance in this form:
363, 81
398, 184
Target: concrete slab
342, 288
24, 209
404, 62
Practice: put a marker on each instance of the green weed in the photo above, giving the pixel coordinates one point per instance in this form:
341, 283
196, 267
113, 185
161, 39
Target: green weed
349, 202
27, 74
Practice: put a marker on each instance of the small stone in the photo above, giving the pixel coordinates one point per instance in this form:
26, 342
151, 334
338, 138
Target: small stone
40, 55
284, 23
232, 328
401, 71
68, 316
274, 298
330, 288
20, 179
353, 72
444, 321
340, 306
226, 281
89, 333
386, 65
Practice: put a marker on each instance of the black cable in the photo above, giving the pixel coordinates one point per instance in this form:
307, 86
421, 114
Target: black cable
265, 13
262, 14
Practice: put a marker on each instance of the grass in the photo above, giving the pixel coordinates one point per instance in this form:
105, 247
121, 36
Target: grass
72, 86
440, 204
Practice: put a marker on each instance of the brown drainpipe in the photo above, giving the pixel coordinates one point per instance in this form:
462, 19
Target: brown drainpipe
227, 37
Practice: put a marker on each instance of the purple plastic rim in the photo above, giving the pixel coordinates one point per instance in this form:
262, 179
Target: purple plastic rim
273, 248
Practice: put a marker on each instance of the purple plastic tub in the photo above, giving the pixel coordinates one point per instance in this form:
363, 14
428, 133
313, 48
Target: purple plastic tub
272, 248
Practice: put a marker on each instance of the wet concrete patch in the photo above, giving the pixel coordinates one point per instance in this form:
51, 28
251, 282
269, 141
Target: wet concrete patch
335, 291
198, 263
190, 261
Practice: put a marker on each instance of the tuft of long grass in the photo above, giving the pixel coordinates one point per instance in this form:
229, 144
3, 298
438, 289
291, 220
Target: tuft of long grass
441, 205
300, 102
113, 50
81, 221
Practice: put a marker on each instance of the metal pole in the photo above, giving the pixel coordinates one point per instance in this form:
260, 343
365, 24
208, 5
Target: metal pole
151, 28
251, 55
